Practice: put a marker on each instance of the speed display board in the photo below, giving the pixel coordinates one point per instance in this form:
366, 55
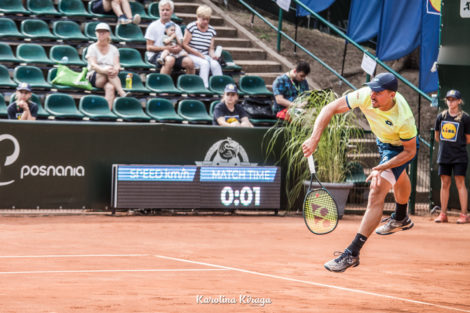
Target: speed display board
190, 186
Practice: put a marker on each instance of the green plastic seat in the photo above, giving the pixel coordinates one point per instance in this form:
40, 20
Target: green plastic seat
62, 106
36, 29
138, 8
90, 32
263, 122
32, 53
13, 7
111, 14
254, 86
212, 107
192, 84
356, 173
72, 8
8, 28
230, 65
31, 75
3, 107
42, 7
5, 80
217, 84
155, 13
137, 85
129, 109
130, 57
96, 108
162, 110
57, 54
194, 111
130, 33
6, 54
161, 83
42, 113
68, 30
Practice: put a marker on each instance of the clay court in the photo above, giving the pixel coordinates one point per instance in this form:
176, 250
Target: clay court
192, 263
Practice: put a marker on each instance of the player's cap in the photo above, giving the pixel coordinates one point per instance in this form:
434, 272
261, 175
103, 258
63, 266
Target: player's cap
169, 24
453, 93
231, 88
383, 81
24, 86
103, 26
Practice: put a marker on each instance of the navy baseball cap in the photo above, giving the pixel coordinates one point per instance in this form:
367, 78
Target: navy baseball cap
383, 81
453, 93
169, 24
231, 88
24, 86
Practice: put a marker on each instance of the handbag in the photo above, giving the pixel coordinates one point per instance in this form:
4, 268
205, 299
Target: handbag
258, 108
67, 77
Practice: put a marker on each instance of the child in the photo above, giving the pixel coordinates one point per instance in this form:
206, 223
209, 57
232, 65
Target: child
169, 39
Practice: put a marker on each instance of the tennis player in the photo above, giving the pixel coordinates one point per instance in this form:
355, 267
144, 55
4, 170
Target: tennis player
392, 122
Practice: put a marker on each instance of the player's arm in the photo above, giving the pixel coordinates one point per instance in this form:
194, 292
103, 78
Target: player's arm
336, 107
408, 153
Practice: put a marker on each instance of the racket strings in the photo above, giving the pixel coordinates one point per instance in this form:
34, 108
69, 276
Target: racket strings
320, 211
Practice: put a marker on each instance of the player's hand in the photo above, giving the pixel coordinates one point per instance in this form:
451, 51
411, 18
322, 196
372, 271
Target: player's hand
308, 147
374, 178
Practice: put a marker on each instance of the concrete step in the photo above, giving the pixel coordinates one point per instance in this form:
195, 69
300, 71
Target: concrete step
225, 31
186, 7
191, 17
268, 77
259, 66
232, 42
246, 53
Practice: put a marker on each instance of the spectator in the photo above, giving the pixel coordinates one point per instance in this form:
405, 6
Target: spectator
229, 112
154, 36
199, 42
23, 108
169, 39
121, 8
452, 131
103, 64
288, 86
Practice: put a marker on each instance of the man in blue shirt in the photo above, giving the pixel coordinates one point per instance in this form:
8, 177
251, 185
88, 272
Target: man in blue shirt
23, 108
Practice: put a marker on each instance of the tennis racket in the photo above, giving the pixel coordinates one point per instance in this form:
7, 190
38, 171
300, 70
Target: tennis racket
320, 209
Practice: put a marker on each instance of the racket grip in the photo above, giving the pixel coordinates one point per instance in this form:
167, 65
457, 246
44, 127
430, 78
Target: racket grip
311, 164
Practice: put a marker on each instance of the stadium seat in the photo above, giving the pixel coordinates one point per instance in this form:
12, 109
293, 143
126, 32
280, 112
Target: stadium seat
6, 54
68, 30
137, 85
129, 109
36, 29
212, 107
31, 75
89, 31
356, 173
62, 106
230, 65
162, 110
192, 84
8, 28
217, 84
57, 54
5, 80
155, 14
263, 122
138, 8
161, 83
254, 86
129, 33
42, 7
32, 53
3, 107
130, 57
194, 111
96, 108
111, 14
42, 114
13, 7
73, 8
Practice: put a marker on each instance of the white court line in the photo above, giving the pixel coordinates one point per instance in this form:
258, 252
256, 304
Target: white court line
314, 283
119, 271
70, 256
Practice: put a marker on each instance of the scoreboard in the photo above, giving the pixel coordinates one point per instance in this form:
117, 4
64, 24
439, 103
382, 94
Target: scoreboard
191, 186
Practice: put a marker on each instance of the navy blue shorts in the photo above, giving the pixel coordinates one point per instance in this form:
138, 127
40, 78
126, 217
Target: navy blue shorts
92, 79
98, 8
388, 151
459, 169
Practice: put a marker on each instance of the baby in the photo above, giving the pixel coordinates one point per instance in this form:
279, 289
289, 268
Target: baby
169, 39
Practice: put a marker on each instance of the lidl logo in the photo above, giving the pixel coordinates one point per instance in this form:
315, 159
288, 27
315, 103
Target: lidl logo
449, 131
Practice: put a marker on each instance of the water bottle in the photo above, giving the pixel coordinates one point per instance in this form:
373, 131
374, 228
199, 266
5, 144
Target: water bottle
64, 59
218, 51
129, 81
